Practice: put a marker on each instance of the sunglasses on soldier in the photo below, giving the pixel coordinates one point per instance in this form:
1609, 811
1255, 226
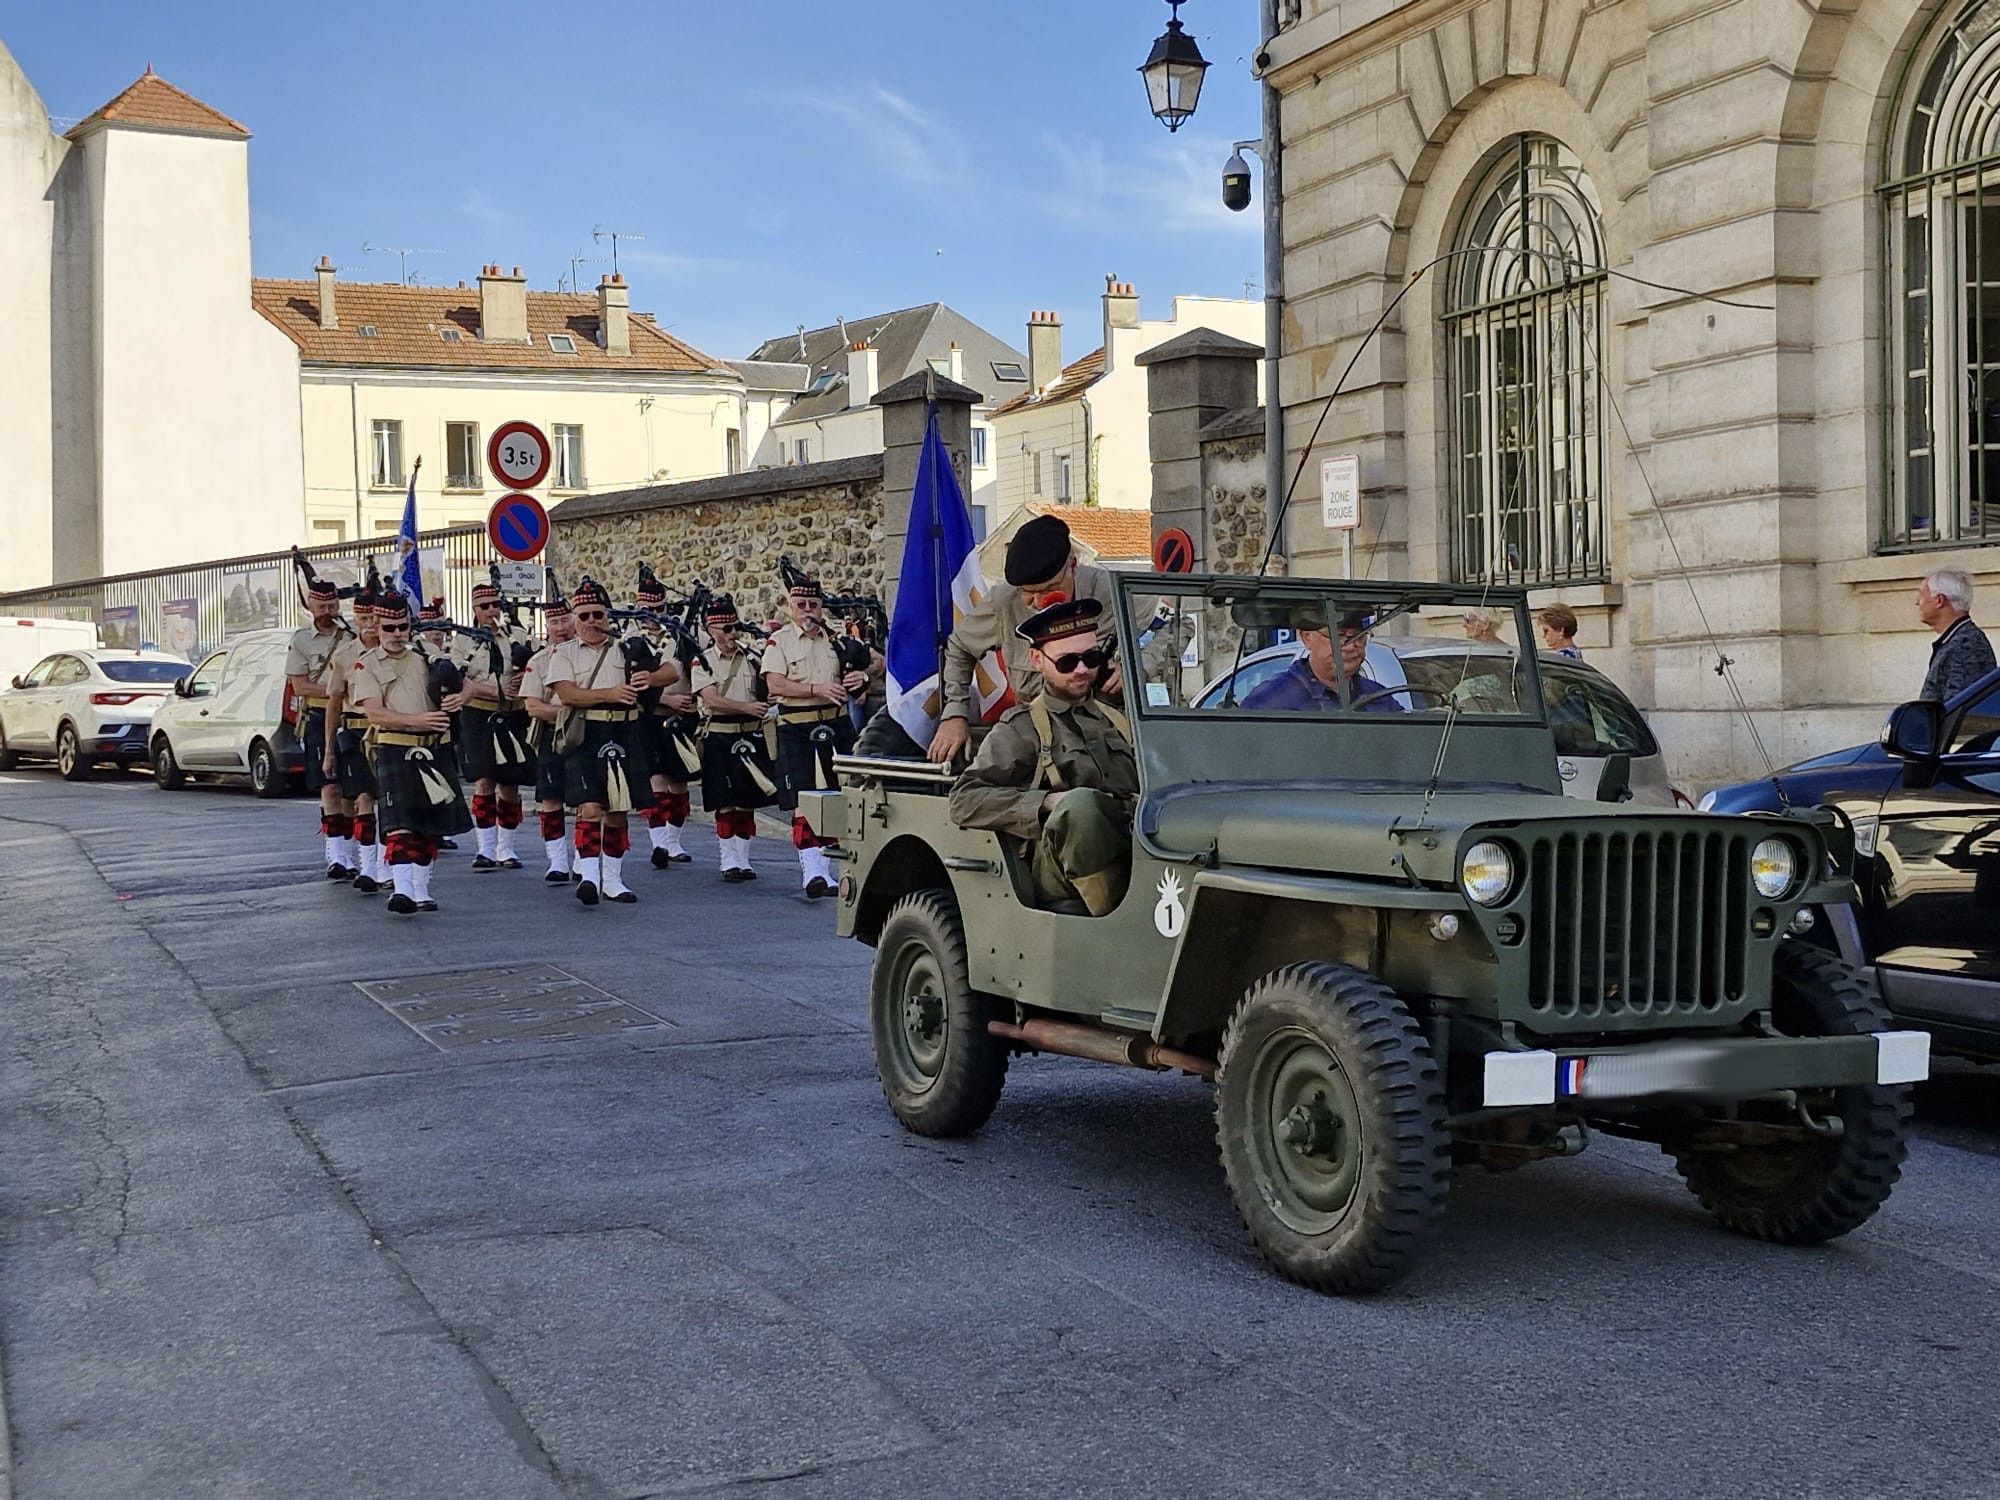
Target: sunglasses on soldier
1069, 661
591, 614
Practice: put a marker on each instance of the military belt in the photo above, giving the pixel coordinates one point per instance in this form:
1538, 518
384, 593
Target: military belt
733, 721
407, 739
484, 705
810, 715
311, 702
610, 715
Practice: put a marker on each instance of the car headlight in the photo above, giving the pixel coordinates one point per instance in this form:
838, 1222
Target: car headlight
1487, 873
1774, 866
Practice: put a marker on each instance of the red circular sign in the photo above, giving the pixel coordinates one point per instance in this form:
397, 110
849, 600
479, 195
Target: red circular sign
518, 452
1173, 551
517, 527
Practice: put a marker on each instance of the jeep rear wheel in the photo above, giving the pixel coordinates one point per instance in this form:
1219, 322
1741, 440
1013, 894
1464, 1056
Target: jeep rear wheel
1330, 1119
1808, 1192
941, 1070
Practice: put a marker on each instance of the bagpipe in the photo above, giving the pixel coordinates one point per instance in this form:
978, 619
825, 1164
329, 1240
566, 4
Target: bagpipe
854, 653
304, 575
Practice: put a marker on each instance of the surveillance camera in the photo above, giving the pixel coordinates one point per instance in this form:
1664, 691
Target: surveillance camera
1236, 183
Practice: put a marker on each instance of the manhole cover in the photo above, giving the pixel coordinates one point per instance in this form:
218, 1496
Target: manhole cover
533, 1003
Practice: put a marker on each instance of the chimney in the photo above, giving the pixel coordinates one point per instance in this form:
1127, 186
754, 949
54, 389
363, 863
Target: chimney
957, 364
1044, 350
328, 318
861, 373
614, 327
1121, 310
503, 306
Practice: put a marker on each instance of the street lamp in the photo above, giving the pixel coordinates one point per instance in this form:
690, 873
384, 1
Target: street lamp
1173, 73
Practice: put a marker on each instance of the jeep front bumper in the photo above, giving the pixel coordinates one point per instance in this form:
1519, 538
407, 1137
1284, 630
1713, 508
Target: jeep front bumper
1726, 1068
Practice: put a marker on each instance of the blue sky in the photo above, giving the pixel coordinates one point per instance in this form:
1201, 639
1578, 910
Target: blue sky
788, 162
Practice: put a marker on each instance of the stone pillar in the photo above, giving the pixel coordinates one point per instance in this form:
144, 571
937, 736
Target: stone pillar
903, 420
1190, 381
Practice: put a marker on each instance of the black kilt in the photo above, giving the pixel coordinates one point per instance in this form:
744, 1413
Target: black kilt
804, 753
478, 735
657, 732
400, 803
315, 743
585, 769
724, 781
352, 762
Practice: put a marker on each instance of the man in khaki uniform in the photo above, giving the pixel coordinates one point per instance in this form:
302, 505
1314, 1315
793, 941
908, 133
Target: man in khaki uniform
802, 674
1041, 569
306, 660
590, 678
539, 699
348, 760
490, 752
1058, 773
736, 776
669, 730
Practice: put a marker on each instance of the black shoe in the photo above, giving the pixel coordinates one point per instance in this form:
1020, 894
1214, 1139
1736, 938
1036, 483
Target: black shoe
510, 863
339, 872
661, 859
557, 877
575, 876
427, 905
447, 843
401, 905
733, 876
1066, 908
624, 898
746, 873
587, 893
367, 885
481, 864
683, 858
817, 888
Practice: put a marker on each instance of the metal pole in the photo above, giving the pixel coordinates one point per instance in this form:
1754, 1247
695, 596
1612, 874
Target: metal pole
1274, 296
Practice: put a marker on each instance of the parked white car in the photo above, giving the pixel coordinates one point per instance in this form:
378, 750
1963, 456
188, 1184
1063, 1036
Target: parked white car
232, 716
82, 708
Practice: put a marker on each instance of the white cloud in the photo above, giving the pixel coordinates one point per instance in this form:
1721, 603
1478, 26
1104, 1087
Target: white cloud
1174, 185
910, 145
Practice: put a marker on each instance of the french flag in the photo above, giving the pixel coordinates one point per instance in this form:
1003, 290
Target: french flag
941, 580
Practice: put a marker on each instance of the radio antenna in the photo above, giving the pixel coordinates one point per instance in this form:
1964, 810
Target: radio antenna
614, 235
402, 254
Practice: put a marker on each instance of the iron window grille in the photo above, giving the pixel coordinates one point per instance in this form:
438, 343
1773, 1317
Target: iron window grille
461, 455
1524, 385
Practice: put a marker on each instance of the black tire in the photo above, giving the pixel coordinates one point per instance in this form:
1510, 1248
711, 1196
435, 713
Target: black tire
1808, 1194
1350, 1203
266, 778
70, 762
8, 759
167, 773
941, 1070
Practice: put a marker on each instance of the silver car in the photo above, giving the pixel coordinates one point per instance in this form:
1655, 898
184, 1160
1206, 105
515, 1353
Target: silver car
82, 708
232, 716
1591, 718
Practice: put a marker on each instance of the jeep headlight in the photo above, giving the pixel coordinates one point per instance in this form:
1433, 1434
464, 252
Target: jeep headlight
1774, 866
1487, 873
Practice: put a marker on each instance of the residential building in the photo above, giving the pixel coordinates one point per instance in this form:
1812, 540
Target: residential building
390, 373
844, 365
1077, 433
1692, 333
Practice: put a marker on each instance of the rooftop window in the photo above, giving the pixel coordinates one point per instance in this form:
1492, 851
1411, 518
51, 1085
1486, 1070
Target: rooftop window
366, 331
450, 335
562, 343
825, 382
1007, 369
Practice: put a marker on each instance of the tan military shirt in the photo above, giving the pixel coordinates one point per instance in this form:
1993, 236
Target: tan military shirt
575, 662
999, 789
734, 677
802, 658
399, 681
476, 657
310, 651
534, 681
340, 669
991, 625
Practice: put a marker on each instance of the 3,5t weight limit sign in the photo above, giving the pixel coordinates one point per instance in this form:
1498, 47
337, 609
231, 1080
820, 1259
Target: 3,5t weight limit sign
518, 453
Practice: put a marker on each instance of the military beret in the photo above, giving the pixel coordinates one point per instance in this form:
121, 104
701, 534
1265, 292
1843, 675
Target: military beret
392, 606
432, 613
322, 588
485, 593
1069, 617
1037, 551
556, 606
808, 588
589, 591
722, 610
650, 590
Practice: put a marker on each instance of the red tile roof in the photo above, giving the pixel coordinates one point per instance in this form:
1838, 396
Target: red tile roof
1115, 534
152, 101
411, 322
1073, 381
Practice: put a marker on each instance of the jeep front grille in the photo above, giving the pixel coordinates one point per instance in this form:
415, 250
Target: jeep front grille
1649, 922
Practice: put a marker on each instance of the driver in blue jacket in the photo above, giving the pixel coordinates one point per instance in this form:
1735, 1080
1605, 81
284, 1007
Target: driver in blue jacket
1312, 684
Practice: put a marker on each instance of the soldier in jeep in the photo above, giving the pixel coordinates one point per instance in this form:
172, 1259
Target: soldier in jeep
1058, 772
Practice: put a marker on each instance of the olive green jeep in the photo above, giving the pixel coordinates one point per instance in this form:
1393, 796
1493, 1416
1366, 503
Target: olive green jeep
1360, 904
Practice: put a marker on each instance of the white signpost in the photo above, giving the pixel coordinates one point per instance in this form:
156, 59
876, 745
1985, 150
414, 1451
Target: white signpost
1340, 502
520, 580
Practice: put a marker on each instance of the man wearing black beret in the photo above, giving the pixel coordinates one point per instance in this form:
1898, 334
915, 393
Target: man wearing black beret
1041, 569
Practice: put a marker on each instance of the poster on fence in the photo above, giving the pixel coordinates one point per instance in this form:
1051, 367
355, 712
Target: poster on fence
250, 599
118, 627
180, 627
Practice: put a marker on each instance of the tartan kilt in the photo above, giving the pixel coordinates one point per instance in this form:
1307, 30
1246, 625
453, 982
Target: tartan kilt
401, 804
353, 766
724, 781
586, 769
805, 761
656, 735
314, 736
479, 735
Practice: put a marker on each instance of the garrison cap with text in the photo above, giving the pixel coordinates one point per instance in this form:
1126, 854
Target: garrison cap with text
1070, 617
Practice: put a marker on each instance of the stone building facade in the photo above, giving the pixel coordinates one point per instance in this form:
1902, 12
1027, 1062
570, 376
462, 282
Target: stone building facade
1691, 331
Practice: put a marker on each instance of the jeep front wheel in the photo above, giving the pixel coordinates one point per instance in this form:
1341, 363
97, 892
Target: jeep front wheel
1807, 1192
1330, 1119
941, 1070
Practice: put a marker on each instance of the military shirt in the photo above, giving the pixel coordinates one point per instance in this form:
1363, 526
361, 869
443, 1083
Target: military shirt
400, 681
534, 681
591, 667
476, 657
340, 668
803, 658
999, 789
990, 625
309, 652
733, 677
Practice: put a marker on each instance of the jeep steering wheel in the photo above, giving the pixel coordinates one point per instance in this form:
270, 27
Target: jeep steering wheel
1408, 687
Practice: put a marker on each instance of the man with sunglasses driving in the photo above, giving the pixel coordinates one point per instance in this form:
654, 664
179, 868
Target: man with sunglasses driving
1058, 772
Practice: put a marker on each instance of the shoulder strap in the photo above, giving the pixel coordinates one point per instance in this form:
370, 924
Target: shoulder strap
1046, 774
1118, 720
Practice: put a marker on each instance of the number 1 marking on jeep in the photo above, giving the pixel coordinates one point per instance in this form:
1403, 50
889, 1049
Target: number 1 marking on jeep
1169, 915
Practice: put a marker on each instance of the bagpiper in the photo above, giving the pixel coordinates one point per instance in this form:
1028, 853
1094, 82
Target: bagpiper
492, 754
409, 704
736, 772
670, 729
598, 735
539, 699
349, 757
801, 669
306, 661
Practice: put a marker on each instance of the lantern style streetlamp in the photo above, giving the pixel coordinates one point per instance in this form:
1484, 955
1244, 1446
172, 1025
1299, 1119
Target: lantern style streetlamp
1173, 73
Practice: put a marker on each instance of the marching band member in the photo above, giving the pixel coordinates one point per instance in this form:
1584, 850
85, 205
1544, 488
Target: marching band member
598, 735
736, 777
670, 730
306, 659
802, 673
349, 759
539, 699
491, 753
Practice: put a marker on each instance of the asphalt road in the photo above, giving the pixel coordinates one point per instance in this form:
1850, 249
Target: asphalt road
261, 1237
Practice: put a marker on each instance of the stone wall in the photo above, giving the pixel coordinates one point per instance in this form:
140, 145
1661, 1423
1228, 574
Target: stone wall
730, 532
1232, 480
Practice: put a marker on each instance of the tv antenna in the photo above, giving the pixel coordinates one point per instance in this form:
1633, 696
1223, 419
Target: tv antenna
402, 254
614, 235
578, 259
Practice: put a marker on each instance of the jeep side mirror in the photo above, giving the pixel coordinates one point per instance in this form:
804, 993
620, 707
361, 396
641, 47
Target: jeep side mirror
1614, 782
1914, 731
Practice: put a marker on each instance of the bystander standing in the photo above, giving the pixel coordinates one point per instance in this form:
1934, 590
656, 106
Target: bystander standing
1961, 654
1558, 626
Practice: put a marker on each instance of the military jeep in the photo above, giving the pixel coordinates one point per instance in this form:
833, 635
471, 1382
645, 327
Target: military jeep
1379, 927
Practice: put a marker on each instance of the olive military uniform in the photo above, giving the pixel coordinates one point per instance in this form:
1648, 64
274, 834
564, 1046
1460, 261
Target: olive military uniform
993, 624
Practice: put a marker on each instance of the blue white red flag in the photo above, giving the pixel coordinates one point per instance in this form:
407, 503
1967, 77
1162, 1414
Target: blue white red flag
940, 581
409, 566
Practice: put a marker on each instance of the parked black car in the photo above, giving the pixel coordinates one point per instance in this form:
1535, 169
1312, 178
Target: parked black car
1925, 806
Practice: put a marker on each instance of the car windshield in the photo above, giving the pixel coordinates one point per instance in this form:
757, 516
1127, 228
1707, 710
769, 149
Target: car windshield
163, 673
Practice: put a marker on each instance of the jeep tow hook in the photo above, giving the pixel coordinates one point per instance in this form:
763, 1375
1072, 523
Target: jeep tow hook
1101, 1044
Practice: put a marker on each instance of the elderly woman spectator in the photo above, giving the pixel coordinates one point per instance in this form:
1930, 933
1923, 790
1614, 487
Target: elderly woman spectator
1483, 626
1558, 627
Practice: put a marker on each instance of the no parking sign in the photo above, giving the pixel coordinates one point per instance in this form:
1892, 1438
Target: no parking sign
517, 527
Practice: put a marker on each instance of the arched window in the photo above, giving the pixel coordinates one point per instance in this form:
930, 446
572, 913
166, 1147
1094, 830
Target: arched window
1942, 215
1522, 320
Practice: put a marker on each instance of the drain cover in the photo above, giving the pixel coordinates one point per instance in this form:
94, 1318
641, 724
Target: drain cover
533, 1003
